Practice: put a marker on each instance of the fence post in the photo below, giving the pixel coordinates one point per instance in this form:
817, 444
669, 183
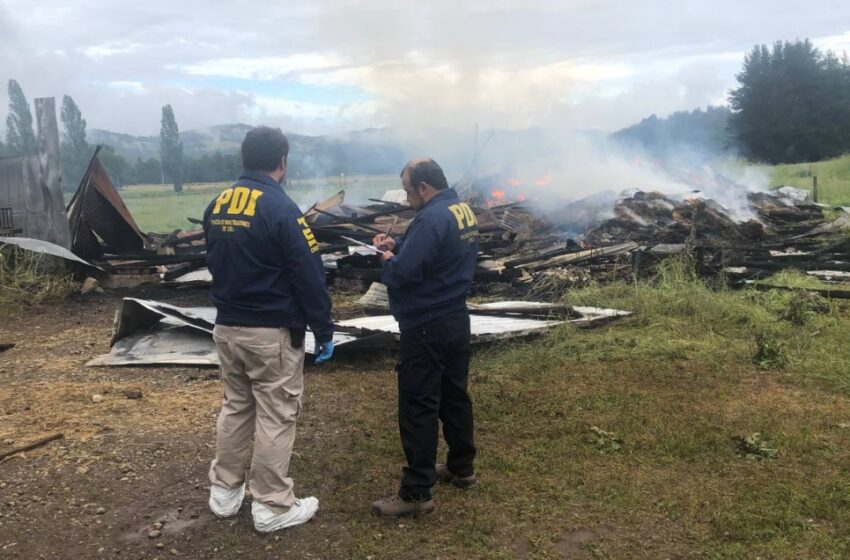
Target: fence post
815, 188
50, 179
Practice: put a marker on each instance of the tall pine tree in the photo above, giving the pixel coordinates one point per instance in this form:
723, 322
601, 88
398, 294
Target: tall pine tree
76, 151
792, 104
171, 148
19, 134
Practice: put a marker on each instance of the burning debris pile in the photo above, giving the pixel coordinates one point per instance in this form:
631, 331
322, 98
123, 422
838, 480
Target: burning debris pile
524, 250
655, 218
784, 229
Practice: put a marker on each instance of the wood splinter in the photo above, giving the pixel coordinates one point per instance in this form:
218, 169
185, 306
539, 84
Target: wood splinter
33, 445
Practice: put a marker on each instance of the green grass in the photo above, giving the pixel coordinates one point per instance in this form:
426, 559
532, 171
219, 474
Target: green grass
833, 178
157, 208
631, 434
792, 278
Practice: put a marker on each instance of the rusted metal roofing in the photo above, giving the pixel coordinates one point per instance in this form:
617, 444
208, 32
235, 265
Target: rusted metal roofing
99, 220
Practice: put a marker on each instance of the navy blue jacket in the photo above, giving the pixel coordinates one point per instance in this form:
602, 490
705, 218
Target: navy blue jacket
432, 270
264, 260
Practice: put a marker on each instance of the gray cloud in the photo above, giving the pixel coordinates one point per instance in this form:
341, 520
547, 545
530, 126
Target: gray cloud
581, 64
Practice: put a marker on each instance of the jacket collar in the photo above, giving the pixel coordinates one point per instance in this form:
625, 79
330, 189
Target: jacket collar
260, 177
444, 194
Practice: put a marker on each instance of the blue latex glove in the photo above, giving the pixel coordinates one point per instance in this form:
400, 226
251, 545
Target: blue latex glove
324, 352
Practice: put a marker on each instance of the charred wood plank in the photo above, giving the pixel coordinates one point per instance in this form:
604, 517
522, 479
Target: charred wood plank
350, 221
151, 259
33, 445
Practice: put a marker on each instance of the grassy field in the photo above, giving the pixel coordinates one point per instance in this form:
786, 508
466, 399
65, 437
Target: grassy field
157, 208
711, 425
833, 178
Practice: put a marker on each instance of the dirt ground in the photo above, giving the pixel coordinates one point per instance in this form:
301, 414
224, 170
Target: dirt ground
615, 443
129, 479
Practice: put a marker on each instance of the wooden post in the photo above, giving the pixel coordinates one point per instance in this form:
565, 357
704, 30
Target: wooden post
815, 188
51, 174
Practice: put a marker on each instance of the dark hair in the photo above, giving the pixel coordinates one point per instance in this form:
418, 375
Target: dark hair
263, 148
427, 171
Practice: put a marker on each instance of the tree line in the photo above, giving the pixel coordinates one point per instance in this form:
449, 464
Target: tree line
792, 104
77, 152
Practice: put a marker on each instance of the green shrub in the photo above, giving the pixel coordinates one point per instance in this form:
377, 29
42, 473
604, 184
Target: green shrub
803, 305
770, 352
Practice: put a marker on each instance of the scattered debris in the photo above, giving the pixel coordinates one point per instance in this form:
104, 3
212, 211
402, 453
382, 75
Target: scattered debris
605, 442
133, 394
96, 398
151, 332
754, 447
89, 284
6, 346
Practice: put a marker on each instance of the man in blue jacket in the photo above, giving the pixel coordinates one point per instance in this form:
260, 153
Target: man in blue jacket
268, 285
427, 278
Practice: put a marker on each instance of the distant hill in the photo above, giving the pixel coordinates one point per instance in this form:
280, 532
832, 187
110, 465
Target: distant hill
363, 152
695, 131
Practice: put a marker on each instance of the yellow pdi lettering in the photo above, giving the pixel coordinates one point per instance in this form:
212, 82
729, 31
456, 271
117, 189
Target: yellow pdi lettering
308, 235
239, 200
470, 216
252, 204
464, 215
222, 199
458, 214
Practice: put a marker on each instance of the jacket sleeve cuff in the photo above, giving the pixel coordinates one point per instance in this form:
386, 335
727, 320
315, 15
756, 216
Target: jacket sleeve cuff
323, 337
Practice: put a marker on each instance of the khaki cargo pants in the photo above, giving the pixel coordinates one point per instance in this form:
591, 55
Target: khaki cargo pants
262, 378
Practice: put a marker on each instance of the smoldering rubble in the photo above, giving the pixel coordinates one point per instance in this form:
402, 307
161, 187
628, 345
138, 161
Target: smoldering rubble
531, 248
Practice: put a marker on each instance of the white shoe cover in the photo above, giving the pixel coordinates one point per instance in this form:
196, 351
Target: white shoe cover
224, 502
266, 521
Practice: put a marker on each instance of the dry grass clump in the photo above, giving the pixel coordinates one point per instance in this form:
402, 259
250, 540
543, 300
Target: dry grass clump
28, 279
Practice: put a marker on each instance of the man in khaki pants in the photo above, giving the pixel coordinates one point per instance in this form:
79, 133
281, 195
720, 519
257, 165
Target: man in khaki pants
268, 285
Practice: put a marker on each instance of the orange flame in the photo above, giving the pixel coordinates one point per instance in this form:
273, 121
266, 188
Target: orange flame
498, 195
543, 181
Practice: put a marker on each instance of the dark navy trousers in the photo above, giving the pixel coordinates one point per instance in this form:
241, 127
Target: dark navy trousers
433, 371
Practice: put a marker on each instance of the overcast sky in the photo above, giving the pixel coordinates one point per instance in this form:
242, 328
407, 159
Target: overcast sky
325, 66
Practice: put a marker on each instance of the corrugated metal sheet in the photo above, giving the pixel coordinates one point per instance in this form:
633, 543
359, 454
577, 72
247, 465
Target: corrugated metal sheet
97, 213
150, 332
153, 332
45, 247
